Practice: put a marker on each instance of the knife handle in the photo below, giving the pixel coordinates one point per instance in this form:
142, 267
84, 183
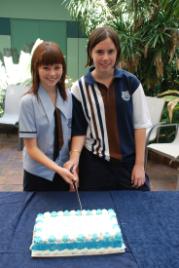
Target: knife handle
71, 169
74, 185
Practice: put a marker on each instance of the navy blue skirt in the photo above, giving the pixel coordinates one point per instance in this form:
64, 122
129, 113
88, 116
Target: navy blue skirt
37, 184
97, 174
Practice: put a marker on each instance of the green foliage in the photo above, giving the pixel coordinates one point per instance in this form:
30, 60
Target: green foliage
89, 13
149, 34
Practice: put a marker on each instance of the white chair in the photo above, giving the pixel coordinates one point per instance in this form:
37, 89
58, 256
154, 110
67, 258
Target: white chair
12, 105
155, 106
169, 150
11, 108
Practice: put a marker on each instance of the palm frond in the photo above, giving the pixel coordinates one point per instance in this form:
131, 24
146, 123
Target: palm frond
148, 31
90, 13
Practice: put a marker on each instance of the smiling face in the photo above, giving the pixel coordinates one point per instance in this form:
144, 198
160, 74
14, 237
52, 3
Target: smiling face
104, 56
48, 67
50, 75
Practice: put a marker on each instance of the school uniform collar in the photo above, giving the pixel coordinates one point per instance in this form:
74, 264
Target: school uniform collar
118, 73
48, 106
62, 105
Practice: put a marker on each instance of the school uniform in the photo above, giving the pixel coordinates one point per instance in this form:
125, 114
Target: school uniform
37, 121
108, 117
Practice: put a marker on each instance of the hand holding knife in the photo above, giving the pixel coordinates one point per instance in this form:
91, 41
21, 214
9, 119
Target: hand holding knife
76, 190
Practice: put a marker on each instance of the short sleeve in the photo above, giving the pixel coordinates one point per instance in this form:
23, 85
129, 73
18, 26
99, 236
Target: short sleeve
141, 115
27, 120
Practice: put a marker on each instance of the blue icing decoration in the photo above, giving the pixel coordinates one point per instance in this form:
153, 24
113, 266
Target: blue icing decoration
39, 221
80, 238
115, 226
111, 212
78, 212
65, 238
51, 239
54, 213
98, 212
37, 229
106, 236
39, 218
117, 236
37, 239
76, 245
53, 247
39, 215
66, 213
94, 237
88, 212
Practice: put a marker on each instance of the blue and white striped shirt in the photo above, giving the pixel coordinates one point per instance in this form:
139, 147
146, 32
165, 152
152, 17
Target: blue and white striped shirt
89, 113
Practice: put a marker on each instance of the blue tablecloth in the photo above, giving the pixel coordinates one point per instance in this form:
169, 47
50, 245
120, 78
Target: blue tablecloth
149, 222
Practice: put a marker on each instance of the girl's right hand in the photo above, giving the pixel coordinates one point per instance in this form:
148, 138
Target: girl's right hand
68, 176
73, 168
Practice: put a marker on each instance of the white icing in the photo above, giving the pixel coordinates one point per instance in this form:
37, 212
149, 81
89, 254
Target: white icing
75, 225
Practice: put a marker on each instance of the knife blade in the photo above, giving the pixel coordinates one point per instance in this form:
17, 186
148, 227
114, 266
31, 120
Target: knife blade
78, 196
76, 190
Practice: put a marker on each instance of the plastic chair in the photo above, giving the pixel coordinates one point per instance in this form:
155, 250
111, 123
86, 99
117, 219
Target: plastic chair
155, 106
169, 150
12, 105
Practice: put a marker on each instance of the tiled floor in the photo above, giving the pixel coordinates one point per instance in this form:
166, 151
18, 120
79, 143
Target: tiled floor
162, 176
10, 163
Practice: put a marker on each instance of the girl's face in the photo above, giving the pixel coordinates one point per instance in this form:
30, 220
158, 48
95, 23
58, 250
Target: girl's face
50, 75
104, 56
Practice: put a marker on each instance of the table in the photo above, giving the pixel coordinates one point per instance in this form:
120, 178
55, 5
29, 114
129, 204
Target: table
149, 223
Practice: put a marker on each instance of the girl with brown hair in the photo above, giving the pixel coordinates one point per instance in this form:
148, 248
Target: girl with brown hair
110, 118
45, 122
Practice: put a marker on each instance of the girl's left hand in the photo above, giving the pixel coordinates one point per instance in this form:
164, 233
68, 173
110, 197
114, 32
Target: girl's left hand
138, 176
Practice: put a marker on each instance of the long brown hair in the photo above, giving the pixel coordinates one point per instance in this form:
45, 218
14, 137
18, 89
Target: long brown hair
98, 35
48, 53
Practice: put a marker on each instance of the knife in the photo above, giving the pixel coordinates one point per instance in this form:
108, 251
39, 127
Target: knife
76, 190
